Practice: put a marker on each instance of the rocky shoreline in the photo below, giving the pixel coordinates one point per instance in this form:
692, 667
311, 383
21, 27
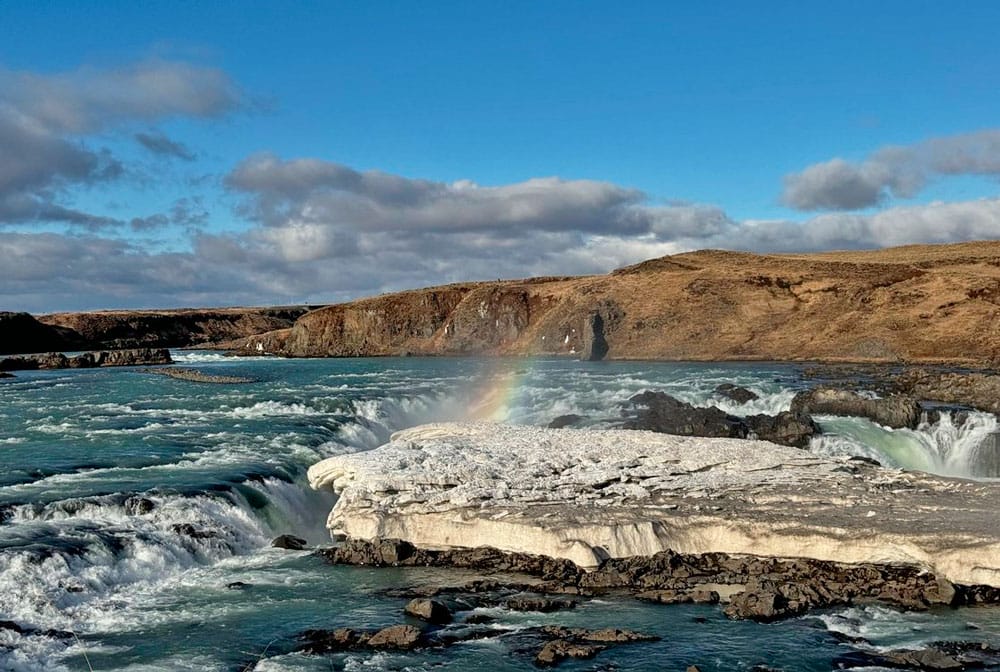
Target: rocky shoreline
744, 587
87, 360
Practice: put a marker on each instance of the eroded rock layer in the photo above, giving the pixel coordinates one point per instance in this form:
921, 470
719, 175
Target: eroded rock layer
587, 495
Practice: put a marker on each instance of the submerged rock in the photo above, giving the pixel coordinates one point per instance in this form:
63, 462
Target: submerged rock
540, 604
740, 395
289, 542
431, 611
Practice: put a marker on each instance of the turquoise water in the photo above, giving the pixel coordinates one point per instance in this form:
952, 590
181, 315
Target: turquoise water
130, 501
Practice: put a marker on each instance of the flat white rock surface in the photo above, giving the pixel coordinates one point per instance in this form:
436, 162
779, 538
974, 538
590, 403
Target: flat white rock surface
590, 494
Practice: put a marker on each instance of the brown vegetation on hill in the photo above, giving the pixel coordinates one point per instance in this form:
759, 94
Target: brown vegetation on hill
922, 303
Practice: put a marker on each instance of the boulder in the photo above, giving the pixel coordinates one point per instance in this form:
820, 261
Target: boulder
740, 395
541, 604
428, 610
896, 411
787, 428
403, 637
558, 650
289, 542
659, 412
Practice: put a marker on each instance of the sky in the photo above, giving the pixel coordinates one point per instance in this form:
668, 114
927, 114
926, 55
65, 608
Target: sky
170, 154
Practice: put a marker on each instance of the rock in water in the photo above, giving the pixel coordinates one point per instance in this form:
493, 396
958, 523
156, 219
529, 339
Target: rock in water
740, 395
289, 542
897, 412
431, 611
659, 412
403, 637
787, 428
558, 650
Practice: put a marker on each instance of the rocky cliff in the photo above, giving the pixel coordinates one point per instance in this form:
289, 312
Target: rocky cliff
22, 333
932, 303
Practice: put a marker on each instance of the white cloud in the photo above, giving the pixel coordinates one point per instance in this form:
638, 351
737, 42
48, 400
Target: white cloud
894, 171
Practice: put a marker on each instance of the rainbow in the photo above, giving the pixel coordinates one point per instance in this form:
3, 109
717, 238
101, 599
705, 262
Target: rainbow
500, 391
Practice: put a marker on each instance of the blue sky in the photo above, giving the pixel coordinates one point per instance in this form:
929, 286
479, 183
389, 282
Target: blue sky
321, 151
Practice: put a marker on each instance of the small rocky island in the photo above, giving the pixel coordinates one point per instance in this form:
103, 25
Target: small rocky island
771, 530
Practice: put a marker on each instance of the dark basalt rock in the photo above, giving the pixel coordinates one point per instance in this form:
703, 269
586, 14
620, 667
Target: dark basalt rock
774, 588
740, 395
428, 610
396, 553
659, 412
399, 637
934, 658
540, 604
88, 360
189, 530
787, 428
569, 420
137, 506
4, 374
289, 542
896, 411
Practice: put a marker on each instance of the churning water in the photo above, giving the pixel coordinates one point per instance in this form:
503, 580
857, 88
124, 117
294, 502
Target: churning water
137, 512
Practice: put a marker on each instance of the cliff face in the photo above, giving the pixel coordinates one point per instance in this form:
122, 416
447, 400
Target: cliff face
21, 333
162, 328
915, 303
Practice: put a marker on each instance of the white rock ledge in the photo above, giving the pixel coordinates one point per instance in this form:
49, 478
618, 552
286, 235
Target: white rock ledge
586, 495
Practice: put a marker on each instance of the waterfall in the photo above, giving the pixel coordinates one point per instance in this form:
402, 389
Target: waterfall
967, 445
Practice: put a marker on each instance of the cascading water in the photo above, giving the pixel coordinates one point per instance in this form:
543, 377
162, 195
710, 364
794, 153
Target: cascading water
942, 447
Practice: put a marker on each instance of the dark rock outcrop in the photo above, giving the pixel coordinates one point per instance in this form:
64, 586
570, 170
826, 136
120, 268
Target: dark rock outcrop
740, 395
787, 428
937, 656
595, 346
766, 589
127, 329
977, 390
88, 360
659, 412
540, 604
429, 610
22, 333
289, 542
896, 411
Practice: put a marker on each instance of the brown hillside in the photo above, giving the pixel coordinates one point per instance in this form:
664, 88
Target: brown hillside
925, 303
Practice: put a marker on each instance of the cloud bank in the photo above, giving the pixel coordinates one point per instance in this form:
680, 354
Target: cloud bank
322, 232
894, 171
46, 122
